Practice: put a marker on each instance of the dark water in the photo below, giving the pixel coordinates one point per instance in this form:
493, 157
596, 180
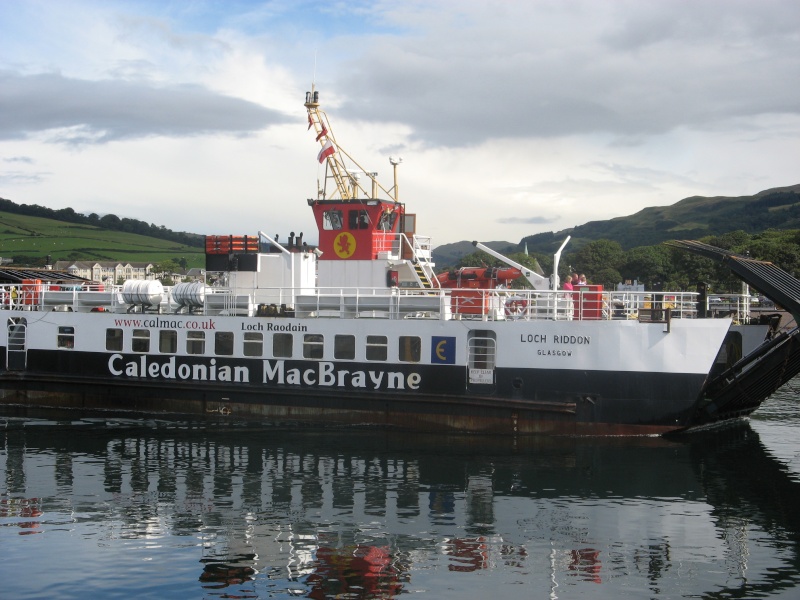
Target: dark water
111, 508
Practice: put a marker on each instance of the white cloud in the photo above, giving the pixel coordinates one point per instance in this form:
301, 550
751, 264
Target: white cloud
100, 111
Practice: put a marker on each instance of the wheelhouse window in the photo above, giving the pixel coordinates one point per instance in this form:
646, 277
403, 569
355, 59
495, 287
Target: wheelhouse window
253, 343
410, 349
141, 340
377, 347
344, 347
387, 220
195, 342
312, 345
332, 219
114, 340
223, 343
282, 345
66, 337
168, 341
358, 219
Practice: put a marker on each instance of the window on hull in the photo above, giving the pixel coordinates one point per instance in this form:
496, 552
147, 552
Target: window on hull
66, 337
282, 345
313, 346
223, 343
344, 347
253, 344
141, 340
114, 340
377, 347
168, 341
195, 342
410, 349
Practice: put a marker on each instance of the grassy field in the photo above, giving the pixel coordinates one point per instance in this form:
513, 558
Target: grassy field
38, 237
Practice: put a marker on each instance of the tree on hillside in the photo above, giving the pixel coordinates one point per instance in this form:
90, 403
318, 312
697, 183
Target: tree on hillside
690, 269
110, 221
647, 265
597, 256
734, 240
66, 214
608, 278
786, 256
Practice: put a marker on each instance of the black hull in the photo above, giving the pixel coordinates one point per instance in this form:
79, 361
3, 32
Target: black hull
521, 401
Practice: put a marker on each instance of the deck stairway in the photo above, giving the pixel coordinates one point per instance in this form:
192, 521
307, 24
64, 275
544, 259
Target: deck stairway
742, 388
422, 265
423, 279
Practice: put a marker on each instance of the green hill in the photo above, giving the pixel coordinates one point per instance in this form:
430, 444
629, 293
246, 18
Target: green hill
30, 239
691, 218
449, 254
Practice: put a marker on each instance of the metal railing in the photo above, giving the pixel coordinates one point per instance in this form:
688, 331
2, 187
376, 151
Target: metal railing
585, 304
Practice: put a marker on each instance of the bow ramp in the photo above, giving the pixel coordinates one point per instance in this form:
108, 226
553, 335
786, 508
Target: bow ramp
742, 388
775, 283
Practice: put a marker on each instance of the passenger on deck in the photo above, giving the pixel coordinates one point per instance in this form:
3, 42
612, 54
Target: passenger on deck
582, 279
567, 285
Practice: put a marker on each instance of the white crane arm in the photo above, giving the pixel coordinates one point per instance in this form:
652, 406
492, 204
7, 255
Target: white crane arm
537, 281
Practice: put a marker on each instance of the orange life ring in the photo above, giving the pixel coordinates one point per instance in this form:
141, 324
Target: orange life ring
516, 306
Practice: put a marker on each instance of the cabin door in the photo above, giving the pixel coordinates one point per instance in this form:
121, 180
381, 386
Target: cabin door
409, 226
16, 351
481, 361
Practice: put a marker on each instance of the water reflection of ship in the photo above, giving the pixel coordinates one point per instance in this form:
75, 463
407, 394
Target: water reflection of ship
747, 488
348, 506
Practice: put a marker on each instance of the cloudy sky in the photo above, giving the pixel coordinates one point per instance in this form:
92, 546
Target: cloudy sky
512, 117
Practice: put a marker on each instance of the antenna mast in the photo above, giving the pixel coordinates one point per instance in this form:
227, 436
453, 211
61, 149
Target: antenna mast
347, 181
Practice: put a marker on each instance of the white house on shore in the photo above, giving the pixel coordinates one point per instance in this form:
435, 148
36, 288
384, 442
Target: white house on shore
107, 271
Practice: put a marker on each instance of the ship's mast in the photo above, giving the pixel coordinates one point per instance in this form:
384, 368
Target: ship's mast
348, 180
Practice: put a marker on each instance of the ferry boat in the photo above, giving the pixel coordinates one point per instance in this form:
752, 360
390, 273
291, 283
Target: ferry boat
360, 329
